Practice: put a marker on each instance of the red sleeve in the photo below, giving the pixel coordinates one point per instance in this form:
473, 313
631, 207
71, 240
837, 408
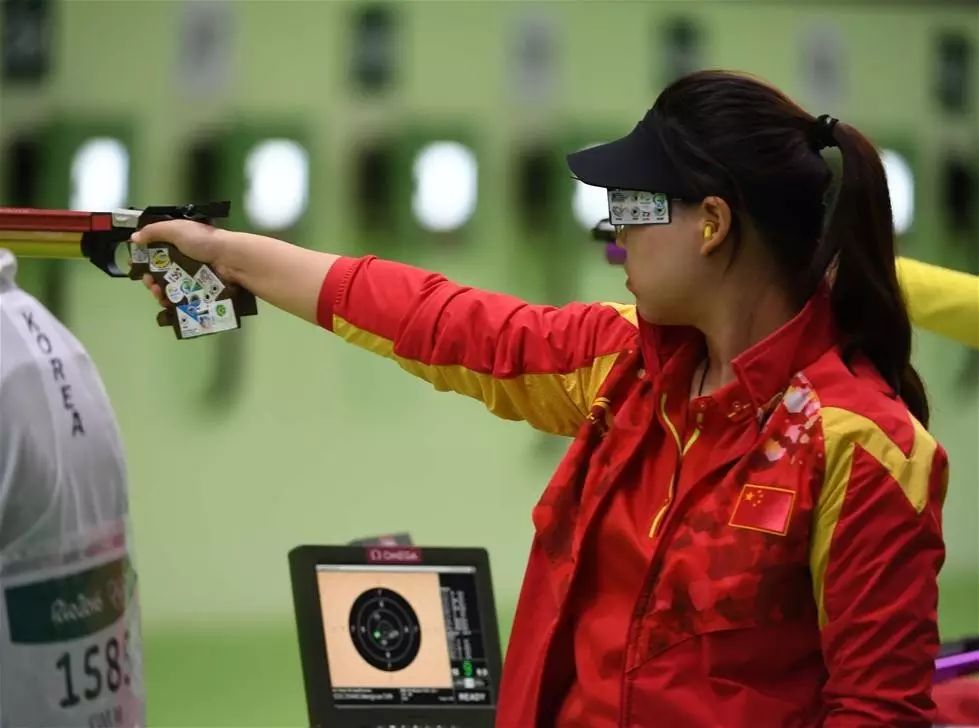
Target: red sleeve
879, 524
525, 362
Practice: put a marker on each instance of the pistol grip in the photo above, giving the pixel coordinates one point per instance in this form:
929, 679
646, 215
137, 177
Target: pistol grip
204, 303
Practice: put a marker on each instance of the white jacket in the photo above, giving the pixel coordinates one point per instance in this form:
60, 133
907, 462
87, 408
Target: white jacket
70, 650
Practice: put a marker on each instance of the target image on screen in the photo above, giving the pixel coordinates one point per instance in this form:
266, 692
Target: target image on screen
385, 629
403, 635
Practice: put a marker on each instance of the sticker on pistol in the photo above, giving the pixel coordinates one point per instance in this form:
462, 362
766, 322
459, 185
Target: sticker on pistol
223, 315
175, 273
188, 285
196, 301
209, 282
138, 253
635, 207
197, 320
174, 294
188, 319
159, 259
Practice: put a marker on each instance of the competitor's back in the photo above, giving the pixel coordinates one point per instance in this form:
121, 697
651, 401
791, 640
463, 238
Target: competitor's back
69, 638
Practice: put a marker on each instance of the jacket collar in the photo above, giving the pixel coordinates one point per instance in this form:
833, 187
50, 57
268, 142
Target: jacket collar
764, 369
660, 344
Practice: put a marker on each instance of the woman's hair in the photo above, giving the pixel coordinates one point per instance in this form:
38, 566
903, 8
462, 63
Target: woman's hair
740, 139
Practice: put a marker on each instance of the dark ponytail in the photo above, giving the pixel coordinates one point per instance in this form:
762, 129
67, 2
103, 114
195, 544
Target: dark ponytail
868, 305
740, 138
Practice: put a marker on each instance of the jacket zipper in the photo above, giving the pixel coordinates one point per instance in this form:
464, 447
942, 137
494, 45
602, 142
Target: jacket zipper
657, 520
683, 449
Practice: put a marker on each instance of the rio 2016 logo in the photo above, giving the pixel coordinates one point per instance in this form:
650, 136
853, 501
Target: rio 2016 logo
221, 309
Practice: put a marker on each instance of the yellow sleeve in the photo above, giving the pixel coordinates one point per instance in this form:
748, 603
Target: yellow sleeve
940, 300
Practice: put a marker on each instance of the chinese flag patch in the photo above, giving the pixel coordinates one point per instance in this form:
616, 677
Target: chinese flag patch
763, 508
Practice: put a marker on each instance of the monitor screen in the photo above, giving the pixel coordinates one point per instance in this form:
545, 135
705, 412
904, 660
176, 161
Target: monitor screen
403, 635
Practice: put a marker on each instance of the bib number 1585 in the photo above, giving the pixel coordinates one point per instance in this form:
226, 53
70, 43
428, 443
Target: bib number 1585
104, 667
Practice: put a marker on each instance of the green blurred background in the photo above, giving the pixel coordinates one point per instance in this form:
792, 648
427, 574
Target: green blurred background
243, 446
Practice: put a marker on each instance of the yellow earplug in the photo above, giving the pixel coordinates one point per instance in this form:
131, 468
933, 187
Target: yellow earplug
708, 231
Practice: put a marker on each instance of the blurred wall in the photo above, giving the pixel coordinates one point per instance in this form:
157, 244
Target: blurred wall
322, 443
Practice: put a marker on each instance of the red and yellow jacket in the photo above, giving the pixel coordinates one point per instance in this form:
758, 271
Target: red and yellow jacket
784, 533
